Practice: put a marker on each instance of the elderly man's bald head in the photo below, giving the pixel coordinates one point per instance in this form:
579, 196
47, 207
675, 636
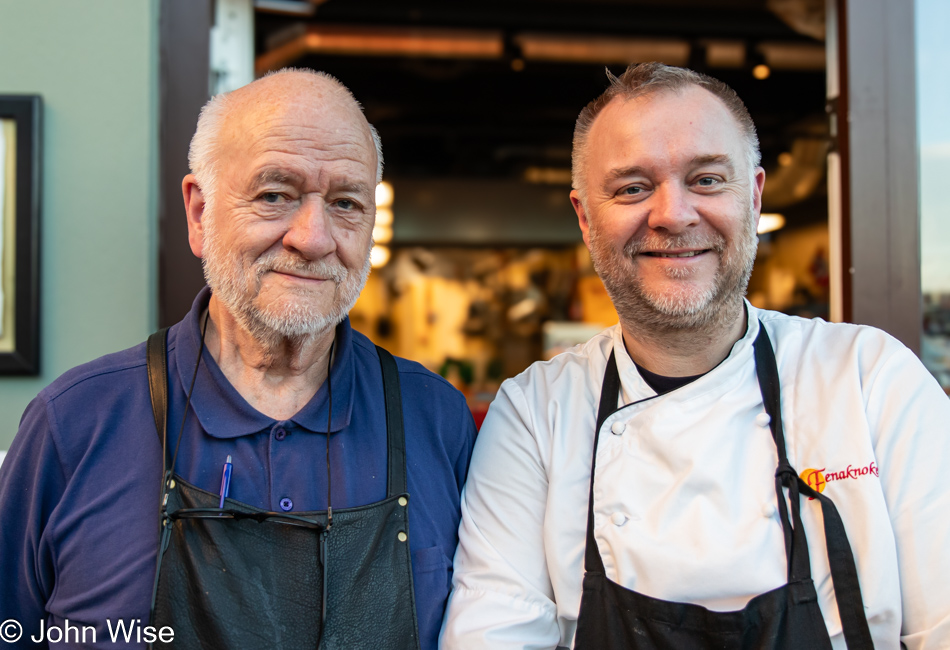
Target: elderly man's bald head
284, 89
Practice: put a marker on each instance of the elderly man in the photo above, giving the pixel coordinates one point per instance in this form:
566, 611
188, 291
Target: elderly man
303, 488
643, 490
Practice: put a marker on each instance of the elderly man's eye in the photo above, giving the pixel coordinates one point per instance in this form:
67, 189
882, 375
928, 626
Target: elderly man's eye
631, 190
707, 181
271, 197
346, 204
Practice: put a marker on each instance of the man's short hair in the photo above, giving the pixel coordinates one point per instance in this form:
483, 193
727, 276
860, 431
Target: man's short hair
647, 78
202, 151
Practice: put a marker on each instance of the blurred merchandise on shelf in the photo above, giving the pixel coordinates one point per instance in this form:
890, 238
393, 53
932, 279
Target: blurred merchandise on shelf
479, 315
791, 272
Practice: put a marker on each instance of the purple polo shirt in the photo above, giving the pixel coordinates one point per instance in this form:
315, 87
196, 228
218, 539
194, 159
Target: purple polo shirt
79, 488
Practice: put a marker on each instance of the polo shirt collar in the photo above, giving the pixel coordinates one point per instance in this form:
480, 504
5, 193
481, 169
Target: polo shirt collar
224, 413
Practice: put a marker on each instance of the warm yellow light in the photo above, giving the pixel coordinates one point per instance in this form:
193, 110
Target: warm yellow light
384, 217
770, 222
378, 256
382, 234
548, 175
761, 71
785, 159
384, 195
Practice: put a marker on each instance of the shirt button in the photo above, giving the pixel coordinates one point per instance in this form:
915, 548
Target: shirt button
618, 519
763, 419
286, 504
769, 511
618, 428
279, 433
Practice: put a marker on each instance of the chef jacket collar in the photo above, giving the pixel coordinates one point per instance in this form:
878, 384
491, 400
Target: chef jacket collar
634, 388
224, 413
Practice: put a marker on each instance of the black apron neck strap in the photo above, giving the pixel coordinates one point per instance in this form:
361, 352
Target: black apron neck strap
156, 361
609, 393
796, 545
395, 430
844, 574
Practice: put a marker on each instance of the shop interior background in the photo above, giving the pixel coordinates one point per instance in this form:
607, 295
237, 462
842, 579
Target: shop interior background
480, 268
476, 104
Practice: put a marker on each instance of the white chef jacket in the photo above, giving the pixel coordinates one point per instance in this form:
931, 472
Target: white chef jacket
684, 496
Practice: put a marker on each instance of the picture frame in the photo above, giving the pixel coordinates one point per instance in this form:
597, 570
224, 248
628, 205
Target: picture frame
20, 171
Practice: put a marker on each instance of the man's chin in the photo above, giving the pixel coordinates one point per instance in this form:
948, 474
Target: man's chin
296, 321
672, 310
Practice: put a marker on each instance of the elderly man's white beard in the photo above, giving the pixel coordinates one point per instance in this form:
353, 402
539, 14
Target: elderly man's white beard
688, 308
237, 288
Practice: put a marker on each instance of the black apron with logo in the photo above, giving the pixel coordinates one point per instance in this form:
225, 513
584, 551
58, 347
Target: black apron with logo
241, 577
613, 617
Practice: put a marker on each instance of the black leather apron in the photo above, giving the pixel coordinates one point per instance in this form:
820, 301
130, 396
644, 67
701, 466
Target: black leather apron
613, 617
241, 577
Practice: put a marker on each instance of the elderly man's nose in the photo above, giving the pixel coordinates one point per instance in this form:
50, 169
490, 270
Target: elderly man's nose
671, 209
309, 232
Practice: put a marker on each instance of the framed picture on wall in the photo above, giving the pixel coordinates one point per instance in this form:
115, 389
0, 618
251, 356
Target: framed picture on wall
20, 117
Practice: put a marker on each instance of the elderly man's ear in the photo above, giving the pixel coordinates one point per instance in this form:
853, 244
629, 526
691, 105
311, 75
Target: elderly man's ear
194, 209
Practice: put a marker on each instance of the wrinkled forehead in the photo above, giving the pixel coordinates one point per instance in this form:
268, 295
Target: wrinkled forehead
310, 114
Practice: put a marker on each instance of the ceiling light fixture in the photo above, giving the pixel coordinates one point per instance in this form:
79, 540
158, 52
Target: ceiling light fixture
379, 256
383, 227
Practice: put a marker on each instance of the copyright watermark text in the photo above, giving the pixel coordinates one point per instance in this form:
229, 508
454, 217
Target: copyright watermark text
10, 631
123, 630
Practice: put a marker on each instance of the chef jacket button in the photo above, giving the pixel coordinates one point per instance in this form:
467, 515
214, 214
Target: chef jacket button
402, 537
286, 504
763, 419
617, 428
280, 433
769, 511
618, 519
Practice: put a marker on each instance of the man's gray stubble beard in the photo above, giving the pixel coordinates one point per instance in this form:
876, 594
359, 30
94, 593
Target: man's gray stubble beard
231, 285
666, 312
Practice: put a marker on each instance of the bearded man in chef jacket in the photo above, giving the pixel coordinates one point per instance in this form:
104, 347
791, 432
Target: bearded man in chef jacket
704, 474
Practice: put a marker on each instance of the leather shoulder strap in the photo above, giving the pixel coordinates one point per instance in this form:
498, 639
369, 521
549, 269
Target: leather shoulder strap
156, 360
395, 430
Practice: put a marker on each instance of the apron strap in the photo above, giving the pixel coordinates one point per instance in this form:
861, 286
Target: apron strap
395, 430
156, 361
609, 392
796, 544
844, 574
157, 365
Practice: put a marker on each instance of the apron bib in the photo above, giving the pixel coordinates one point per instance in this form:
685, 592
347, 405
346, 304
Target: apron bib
787, 618
243, 577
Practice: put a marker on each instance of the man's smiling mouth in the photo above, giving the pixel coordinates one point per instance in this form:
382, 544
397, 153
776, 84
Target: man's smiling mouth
664, 254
